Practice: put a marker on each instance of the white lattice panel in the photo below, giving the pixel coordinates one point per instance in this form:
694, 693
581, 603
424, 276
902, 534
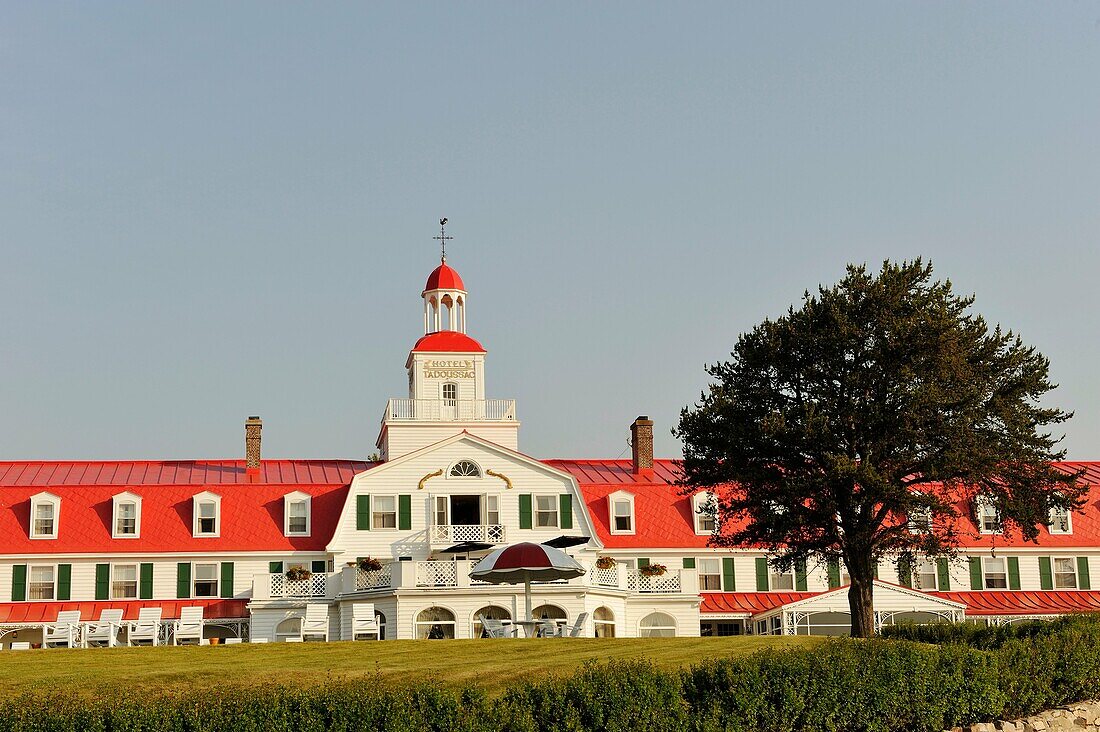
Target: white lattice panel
436, 574
373, 579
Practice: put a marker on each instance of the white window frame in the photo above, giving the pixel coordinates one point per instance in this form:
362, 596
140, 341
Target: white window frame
707, 562
646, 631
1054, 572
986, 572
984, 505
926, 567
31, 582
492, 509
617, 498
375, 512
196, 501
480, 473
115, 580
1052, 525
45, 499
195, 579
553, 498
698, 502
449, 401
774, 573
125, 499
291, 499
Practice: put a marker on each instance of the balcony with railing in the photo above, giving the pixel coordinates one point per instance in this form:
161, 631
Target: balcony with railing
624, 578
277, 586
447, 534
450, 410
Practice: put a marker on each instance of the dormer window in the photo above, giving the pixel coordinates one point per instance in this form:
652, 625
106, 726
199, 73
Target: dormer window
989, 518
621, 505
1060, 522
206, 508
126, 521
45, 511
296, 514
465, 469
704, 507
920, 520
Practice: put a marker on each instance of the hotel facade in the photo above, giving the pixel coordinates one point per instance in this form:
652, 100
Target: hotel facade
254, 541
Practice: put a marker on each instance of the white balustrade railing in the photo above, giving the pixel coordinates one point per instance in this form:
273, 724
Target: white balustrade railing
669, 582
605, 577
437, 574
442, 410
456, 533
314, 586
374, 579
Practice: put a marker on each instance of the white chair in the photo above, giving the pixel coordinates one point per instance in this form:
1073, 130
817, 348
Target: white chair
21, 646
146, 628
189, 627
548, 629
64, 632
315, 622
363, 622
577, 628
105, 631
495, 628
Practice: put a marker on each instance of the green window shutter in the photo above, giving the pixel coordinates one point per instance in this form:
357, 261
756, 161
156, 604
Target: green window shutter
405, 512
102, 581
64, 581
362, 513
905, 573
1013, 573
761, 574
1083, 580
525, 510
275, 567
145, 581
226, 585
729, 581
976, 582
318, 566
800, 576
565, 501
834, 573
183, 580
643, 562
943, 574
1046, 574
18, 582
689, 562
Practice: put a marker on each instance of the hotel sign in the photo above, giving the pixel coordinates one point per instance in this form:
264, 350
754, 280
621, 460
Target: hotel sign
448, 369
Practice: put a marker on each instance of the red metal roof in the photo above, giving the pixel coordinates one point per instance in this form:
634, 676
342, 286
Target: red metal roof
447, 341
444, 278
1015, 602
251, 512
749, 602
46, 612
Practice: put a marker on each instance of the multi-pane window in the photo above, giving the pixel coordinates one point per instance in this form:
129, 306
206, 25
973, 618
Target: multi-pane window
45, 519
124, 581
704, 507
996, 575
207, 521
546, 511
782, 580
126, 519
297, 521
989, 518
1065, 573
1060, 521
41, 585
206, 580
622, 515
924, 575
450, 394
492, 510
441, 512
710, 575
385, 512
465, 469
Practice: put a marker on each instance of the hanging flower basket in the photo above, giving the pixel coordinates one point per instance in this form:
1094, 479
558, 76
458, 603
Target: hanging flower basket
605, 562
653, 570
297, 574
369, 564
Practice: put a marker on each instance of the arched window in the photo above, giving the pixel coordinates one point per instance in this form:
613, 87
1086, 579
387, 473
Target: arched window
380, 618
553, 613
604, 621
657, 625
434, 623
465, 469
490, 612
289, 628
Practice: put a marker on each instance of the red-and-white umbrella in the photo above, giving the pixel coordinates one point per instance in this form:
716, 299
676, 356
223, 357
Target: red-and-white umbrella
526, 562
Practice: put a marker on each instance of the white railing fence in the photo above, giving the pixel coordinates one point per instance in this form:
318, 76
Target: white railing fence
437, 574
455, 533
605, 577
462, 410
669, 582
373, 579
314, 586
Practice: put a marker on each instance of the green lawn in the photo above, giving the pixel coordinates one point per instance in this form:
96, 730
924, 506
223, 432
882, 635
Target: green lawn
488, 663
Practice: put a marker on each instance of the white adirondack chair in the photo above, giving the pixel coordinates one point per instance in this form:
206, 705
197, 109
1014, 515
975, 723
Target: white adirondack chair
315, 623
363, 622
189, 627
64, 632
495, 628
146, 628
577, 628
105, 631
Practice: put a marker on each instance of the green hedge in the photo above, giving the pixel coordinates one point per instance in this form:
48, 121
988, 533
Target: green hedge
991, 637
841, 685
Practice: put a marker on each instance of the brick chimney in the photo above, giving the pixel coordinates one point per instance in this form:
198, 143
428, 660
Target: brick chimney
252, 445
641, 443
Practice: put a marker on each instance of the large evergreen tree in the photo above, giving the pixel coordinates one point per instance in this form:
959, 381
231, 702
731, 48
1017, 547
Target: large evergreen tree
881, 399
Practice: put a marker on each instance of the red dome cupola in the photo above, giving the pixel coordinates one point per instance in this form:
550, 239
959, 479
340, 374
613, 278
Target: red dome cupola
444, 277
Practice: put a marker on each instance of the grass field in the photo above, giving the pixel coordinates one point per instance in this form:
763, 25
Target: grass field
489, 664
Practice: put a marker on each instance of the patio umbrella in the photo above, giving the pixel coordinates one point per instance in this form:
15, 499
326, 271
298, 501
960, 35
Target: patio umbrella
563, 542
466, 547
526, 562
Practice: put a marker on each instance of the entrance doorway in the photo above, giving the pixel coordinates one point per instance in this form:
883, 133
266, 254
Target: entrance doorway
466, 510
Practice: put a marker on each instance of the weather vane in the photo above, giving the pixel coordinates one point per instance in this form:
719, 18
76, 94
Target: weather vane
443, 238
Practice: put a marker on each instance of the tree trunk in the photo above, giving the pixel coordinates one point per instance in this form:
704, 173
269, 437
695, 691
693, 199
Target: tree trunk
860, 596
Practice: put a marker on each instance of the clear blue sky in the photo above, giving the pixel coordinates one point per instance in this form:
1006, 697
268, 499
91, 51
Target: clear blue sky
211, 210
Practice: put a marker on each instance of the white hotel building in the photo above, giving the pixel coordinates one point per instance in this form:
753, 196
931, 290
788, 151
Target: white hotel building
222, 534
